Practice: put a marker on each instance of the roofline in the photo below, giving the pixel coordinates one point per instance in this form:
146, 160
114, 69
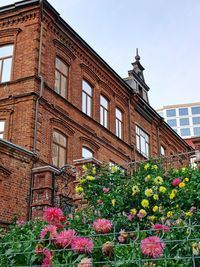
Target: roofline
179, 106
23, 3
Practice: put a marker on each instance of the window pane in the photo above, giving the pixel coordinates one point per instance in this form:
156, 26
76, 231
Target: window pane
89, 111
86, 153
171, 123
138, 142
183, 111
2, 124
101, 115
59, 139
57, 81
83, 102
185, 132
63, 86
6, 73
118, 114
62, 157
143, 150
87, 88
184, 121
55, 154
162, 151
104, 102
197, 131
106, 118
195, 110
61, 66
120, 130
171, 112
196, 120
6, 51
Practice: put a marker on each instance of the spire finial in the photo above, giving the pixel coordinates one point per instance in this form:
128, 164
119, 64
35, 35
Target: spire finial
137, 57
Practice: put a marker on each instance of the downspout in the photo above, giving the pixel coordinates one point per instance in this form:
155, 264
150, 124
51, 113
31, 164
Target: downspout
37, 109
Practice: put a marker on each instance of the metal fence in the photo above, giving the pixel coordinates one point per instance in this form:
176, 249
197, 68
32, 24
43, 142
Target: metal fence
179, 252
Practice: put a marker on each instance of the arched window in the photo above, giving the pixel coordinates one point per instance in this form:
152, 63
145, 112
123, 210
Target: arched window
86, 98
87, 153
61, 78
59, 149
104, 111
6, 55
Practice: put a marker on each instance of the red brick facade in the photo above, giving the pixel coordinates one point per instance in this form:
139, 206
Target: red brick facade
32, 109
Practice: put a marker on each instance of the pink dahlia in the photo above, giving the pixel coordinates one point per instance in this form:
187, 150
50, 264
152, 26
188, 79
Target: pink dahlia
48, 258
64, 238
51, 229
85, 262
160, 227
106, 189
176, 182
102, 226
53, 215
152, 246
82, 245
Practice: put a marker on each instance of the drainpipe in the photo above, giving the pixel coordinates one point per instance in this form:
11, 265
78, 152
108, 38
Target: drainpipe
36, 109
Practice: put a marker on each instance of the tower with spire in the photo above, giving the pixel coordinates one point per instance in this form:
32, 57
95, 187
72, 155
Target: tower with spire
136, 79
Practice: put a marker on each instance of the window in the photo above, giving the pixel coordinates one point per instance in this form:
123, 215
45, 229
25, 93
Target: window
2, 126
171, 112
196, 120
86, 98
142, 141
119, 122
185, 132
86, 153
172, 123
195, 110
6, 54
196, 131
183, 111
184, 121
162, 151
59, 149
104, 111
61, 78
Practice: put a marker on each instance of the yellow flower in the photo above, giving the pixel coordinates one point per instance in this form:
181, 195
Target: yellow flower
181, 185
152, 218
79, 189
133, 211
188, 214
177, 206
162, 189
169, 214
84, 168
82, 181
146, 166
142, 212
145, 203
90, 178
148, 192
154, 167
158, 180
186, 180
172, 196
135, 190
155, 208
94, 170
147, 178
155, 196
113, 201
183, 169
174, 191
114, 169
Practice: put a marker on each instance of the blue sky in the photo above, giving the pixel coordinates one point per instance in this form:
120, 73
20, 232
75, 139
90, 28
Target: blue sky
165, 31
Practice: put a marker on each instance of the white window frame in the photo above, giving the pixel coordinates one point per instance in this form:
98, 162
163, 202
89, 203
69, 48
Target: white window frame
4, 59
87, 98
119, 123
104, 111
142, 142
87, 150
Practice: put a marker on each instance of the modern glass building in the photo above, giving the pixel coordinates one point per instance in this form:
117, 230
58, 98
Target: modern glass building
183, 118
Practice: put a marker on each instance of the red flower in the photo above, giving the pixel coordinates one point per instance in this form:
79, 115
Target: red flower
53, 215
102, 226
152, 246
64, 238
176, 182
160, 227
82, 245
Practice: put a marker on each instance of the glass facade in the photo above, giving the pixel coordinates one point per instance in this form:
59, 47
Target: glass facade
172, 123
183, 111
171, 112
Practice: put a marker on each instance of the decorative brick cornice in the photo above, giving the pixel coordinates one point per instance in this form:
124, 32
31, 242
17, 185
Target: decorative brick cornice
64, 49
62, 124
4, 172
9, 32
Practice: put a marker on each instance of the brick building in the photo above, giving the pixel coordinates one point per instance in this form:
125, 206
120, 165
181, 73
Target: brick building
60, 103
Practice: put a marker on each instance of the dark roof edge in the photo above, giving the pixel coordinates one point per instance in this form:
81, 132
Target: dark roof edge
16, 147
23, 3
154, 112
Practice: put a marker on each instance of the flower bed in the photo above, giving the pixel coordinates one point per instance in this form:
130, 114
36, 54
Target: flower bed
149, 219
